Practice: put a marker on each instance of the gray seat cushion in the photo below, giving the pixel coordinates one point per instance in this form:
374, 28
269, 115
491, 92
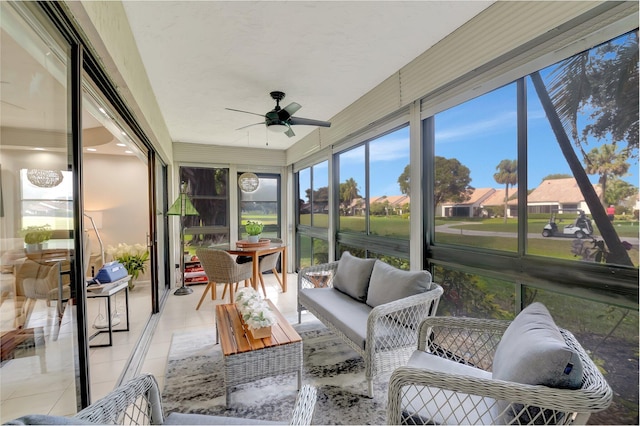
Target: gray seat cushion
348, 315
202, 419
436, 410
388, 284
352, 276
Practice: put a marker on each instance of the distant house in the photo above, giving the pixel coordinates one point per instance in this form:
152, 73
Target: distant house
560, 196
553, 195
473, 207
496, 200
396, 203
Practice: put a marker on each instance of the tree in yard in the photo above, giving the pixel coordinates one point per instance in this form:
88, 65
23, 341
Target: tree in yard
452, 180
404, 180
604, 82
348, 192
607, 163
320, 198
507, 175
618, 190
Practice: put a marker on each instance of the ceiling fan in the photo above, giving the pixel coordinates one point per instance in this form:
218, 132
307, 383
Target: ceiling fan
281, 119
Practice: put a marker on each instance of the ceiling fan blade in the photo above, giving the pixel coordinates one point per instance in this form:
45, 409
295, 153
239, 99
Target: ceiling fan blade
309, 122
249, 125
246, 112
292, 108
290, 132
288, 111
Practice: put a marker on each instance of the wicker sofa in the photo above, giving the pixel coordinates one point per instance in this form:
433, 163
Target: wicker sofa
375, 308
483, 371
138, 402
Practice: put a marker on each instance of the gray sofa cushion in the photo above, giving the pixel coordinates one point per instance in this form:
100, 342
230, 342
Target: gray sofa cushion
352, 276
341, 310
45, 419
202, 419
388, 284
532, 351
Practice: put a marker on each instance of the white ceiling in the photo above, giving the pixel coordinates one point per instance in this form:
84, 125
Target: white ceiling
204, 56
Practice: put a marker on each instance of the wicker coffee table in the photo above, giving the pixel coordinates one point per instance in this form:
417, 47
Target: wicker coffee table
246, 359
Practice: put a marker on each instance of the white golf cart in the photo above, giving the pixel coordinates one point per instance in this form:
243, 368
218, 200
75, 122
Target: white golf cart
580, 228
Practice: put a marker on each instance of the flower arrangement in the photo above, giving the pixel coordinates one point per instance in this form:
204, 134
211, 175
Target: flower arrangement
254, 227
133, 258
254, 309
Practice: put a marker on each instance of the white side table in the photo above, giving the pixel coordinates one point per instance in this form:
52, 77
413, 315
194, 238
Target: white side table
107, 291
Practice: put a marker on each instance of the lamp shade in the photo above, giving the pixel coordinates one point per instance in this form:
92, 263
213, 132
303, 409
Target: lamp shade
182, 206
248, 182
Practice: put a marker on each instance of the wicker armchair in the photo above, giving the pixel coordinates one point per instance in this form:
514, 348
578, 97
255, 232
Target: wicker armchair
391, 329
431, 396
138, 402
221, 267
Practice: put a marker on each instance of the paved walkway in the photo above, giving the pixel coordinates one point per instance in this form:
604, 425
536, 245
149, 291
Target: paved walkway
448, 228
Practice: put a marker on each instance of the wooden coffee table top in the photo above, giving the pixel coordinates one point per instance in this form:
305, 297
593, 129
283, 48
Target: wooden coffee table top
234, 339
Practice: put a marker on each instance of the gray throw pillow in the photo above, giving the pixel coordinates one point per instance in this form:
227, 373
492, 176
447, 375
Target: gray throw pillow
45, 419
532, 351
352, 276
388, 284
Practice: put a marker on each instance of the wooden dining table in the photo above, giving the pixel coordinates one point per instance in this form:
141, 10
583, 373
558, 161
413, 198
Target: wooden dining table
256, 252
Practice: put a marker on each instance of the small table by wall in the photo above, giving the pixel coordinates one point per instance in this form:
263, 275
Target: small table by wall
108, 290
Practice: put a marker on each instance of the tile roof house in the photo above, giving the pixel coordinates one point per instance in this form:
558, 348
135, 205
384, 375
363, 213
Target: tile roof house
557, 195
396, 202
470, 208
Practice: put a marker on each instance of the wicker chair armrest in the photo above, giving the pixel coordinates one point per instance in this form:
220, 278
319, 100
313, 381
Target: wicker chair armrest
468, 336
305, 279
305, 406
514, 397
137, 401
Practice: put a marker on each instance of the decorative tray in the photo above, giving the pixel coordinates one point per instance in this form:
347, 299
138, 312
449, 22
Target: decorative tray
263, 242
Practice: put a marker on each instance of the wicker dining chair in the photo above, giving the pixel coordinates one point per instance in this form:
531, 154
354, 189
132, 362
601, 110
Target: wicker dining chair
221, 267
269, 263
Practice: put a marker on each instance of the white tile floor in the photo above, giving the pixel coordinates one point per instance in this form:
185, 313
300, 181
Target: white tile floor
25, 388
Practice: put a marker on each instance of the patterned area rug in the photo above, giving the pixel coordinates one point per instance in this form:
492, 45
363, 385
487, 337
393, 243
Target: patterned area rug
194, 382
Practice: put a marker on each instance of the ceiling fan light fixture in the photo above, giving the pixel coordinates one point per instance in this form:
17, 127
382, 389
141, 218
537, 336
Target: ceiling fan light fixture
248, 182
278, 128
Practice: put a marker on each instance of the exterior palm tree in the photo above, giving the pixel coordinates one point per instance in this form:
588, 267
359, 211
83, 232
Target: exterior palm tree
607, 81
508, 175
606, 163
349, 192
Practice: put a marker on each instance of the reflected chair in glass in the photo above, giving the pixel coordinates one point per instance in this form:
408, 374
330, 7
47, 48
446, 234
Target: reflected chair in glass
220, 267
268, 263
41, 280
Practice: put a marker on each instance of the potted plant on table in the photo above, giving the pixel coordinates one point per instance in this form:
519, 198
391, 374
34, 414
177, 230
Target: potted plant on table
254, 229
35, 236
133, 258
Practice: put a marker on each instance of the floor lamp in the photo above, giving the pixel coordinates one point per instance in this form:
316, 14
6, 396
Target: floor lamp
182, 207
